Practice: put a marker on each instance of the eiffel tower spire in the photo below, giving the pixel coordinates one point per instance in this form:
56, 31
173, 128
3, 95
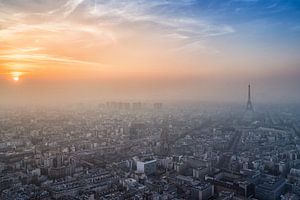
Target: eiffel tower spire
249, 103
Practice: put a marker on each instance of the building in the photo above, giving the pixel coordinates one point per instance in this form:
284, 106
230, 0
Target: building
147, 167
270, 188
157, 106
164, 140
61, 169
136, 130
231, 182
200, 172
202, 191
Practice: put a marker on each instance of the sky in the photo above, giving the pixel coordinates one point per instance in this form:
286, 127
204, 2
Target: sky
149, 50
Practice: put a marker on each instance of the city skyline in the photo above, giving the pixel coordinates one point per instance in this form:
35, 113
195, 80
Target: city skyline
149, 50
149, 99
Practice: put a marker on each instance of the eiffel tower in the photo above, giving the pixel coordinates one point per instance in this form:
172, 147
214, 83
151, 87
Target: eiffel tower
249, 106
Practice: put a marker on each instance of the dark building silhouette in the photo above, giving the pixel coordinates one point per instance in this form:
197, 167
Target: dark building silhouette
157, 106
249, 106
137, 131
132, 133
164, 140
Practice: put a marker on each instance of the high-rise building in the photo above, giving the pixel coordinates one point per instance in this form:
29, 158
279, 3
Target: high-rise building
164, 141
202, 191
270, 188
157, 106
136, 131
147, 166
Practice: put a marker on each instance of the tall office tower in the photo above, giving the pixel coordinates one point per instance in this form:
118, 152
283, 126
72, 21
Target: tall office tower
137, 131
157, 106
249, 103
164, 140
133, 135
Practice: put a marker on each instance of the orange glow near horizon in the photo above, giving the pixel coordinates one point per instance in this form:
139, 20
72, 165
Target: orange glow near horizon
135, 48
52, 48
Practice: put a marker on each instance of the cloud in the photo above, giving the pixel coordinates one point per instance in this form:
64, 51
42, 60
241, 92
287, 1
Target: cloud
296, 28
33, 58
30, 6
246, 1
157, 17
108, 19
69, 7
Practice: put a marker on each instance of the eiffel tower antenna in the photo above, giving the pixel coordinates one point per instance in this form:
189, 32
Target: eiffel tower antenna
249, 103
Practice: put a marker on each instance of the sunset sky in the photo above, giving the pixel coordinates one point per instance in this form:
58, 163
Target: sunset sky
206, 50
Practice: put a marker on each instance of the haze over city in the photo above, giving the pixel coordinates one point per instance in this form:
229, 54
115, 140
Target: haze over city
186, 50
149, 99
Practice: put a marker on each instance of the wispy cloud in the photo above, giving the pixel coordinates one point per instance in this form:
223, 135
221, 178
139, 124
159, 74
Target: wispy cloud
296, 28
69, 7
102, 18
95, 25
34, 58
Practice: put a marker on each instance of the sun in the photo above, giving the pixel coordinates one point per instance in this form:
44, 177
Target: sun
16, 78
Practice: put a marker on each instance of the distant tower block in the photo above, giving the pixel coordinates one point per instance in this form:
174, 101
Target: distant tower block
249, 103
164, 139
